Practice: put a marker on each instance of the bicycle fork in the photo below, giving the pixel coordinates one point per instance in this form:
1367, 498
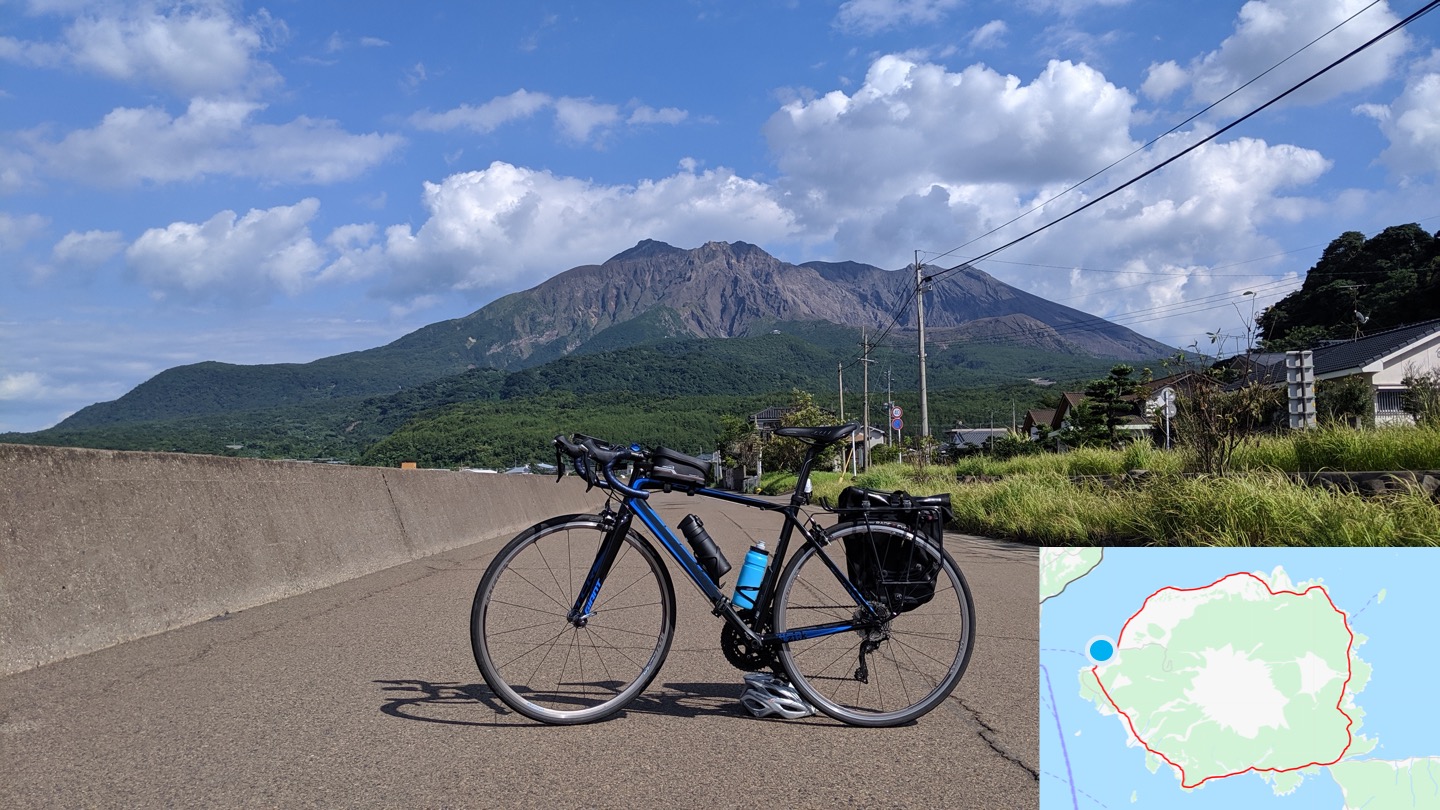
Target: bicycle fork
617, 527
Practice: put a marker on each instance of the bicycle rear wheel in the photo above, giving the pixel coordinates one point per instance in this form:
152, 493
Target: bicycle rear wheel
884, 675
548, 668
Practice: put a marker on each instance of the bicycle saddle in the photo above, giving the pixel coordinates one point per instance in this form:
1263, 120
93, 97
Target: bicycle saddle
828, 434
766, 695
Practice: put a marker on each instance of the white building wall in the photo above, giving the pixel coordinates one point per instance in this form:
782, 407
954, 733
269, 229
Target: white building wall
1422, 357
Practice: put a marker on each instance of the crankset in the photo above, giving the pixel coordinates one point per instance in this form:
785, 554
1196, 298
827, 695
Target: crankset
742, 653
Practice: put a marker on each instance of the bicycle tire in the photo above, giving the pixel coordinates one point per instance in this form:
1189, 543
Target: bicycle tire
917, 657
541, 664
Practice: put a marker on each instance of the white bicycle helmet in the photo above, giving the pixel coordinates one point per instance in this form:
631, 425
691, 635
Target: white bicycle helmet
766, 695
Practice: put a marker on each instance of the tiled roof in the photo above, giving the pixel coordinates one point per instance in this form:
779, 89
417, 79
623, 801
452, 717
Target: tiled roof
1040, 416
1368, 349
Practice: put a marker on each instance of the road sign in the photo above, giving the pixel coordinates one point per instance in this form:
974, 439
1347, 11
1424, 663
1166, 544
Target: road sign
1167, 395
1169, 411
896, 413
898, 424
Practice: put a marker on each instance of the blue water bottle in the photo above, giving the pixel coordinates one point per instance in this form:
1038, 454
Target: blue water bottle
747, 587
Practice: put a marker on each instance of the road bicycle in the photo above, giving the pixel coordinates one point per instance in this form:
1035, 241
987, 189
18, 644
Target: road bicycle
869, 620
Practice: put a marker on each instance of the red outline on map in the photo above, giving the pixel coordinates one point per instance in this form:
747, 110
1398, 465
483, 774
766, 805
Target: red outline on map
1349, 672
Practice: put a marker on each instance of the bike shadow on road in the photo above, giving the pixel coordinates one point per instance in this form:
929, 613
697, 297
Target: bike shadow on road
455, 703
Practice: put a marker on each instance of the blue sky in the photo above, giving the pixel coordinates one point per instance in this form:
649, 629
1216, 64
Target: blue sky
276, 183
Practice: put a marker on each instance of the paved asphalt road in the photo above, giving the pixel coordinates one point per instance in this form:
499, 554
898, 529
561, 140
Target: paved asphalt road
365, 695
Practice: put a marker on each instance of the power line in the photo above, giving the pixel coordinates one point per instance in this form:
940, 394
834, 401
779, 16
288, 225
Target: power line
1157, 138
1207, 139
1161, 312
1168, 310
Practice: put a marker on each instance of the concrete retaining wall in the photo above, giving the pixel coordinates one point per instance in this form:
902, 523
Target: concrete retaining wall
100, 547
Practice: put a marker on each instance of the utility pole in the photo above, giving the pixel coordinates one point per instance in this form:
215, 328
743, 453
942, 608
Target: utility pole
865, 359
889, 403
920, 321
841, 367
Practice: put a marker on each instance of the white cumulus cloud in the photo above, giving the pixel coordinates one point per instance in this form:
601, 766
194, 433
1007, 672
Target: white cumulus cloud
504, 226
148, 145
228, 257
17, 230
1266, 31
912, 126
486, 117
1412, 125
872, 16
990, 35
578, 119
21, 385
186, 48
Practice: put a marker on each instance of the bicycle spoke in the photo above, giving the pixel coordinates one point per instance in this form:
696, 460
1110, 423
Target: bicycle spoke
576, 673
886, 673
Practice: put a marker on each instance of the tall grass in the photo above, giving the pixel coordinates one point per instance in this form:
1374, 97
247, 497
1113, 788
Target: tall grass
1269, 509
1082, 461
1252, 509
1334, 448
1046, 500
1396, 448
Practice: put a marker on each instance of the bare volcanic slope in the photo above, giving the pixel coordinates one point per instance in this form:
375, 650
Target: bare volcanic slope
647, 293
732, 289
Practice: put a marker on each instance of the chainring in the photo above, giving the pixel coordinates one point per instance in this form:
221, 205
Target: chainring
742, 654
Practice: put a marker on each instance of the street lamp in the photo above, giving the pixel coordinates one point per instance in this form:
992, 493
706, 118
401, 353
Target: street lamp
1250, 324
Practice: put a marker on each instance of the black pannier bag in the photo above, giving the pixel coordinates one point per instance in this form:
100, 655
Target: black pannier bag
673, 467
884, 568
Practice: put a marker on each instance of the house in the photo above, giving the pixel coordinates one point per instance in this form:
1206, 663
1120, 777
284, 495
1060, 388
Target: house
1133, 426
1184, 384
1034, 419
1385, 359
767, 420
970, 438
1265, 368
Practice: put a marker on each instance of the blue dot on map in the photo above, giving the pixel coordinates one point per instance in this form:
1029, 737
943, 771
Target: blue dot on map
1101, 650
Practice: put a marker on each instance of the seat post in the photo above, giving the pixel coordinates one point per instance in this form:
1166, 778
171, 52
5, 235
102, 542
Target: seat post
797, 498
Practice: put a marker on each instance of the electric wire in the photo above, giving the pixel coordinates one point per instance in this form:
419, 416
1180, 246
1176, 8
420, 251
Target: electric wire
1426, 9
1157, 313
1157, 138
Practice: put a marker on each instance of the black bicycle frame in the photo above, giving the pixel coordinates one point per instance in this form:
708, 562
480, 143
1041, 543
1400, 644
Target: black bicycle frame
637, 505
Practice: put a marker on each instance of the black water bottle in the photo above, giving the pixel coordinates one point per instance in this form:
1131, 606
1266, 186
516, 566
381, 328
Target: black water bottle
706, 552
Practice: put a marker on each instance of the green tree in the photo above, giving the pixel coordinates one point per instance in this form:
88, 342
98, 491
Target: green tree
1084, 427
787, 454
739, 443
1348, 400
1115, 397
884, 453
1390, 279
1212, 422
1422, 397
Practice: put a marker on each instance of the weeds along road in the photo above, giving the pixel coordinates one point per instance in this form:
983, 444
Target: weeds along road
365, 694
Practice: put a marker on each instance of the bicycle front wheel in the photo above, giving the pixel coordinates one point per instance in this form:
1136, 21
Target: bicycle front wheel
553, 670
893, 672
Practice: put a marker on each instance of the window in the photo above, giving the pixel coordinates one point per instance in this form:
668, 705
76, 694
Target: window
1389, 401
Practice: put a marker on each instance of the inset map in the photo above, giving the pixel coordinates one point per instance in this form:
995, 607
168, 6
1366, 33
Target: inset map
1238, 678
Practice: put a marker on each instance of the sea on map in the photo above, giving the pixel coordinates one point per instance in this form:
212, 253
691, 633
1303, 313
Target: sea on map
1238, 678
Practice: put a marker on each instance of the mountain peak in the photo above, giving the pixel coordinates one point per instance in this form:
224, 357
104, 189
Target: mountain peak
646, 249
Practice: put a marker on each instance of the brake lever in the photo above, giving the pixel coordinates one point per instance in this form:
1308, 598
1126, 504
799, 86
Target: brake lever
586, 472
